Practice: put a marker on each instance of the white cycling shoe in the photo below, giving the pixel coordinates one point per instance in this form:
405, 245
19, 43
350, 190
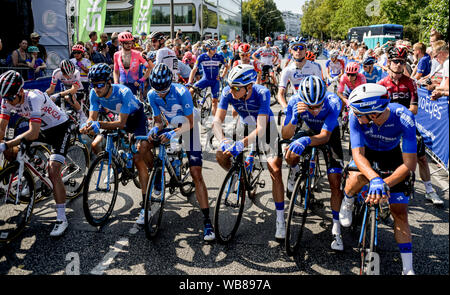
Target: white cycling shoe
346, 212
337, 243
280, 232
433, 197
141, 218
59, 228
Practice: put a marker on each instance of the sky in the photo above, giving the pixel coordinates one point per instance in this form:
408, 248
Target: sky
292, 5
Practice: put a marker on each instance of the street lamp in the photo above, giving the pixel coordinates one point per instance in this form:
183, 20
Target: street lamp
259, 27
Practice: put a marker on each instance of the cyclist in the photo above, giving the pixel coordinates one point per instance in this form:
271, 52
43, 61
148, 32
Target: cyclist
310, 56
252, 102
349, 81
297, 71
244, 59
173, 102
210, 62
335, 67
403, 90
131, 117
269, 56
227, 55
126, 64
376, 129
373, 73
43, 116
164, 54
319, 109
81, 63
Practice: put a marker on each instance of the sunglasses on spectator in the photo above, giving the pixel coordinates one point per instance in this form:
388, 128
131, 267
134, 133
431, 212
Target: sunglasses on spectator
399, 61
98, 85
315, 107
297, 47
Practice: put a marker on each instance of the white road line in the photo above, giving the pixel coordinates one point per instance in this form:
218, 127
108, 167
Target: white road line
109, 257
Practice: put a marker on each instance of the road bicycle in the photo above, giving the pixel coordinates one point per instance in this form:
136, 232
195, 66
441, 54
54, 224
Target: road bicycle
241, 180
202, 100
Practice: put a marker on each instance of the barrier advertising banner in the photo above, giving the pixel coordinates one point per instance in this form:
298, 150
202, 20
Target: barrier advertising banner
91, 17
432, 121
142, 16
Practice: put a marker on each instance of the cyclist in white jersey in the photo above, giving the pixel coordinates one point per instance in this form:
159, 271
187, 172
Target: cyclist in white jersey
163, 54
268, 57
43, 115
295, 72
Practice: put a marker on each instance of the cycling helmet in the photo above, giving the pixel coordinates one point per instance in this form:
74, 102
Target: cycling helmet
125, 37
224, 46
297, 41
310, 56
33, 49
151, 55
156, 35
352, 68
369, 98
188, 57
312, 90
244, 48
10, 84
67, 67
211, 44
161, 77
242, 75
268, 39
397, 52
369, 61
334, 53
78, 47
100, 72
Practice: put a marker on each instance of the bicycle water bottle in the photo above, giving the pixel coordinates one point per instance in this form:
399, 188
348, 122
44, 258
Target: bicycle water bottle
176, 166
129, 160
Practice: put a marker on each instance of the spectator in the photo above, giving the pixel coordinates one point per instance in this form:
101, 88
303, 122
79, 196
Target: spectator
35, 37
235, 44
179, 34
143, 40
114, 47
82, 64
92, 44
424, 61
103, 39
434, 37
20, 55
440, 51
36, 64
102, 55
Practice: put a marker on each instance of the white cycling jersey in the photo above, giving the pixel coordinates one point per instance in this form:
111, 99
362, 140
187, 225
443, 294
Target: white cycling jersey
67, 83
267, 55
85, 63
37, 107
168, 57
295, 76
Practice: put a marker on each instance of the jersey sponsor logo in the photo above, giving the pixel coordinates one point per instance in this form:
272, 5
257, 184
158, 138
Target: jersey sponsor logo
180, 90
52, 112
406, 120
173, 111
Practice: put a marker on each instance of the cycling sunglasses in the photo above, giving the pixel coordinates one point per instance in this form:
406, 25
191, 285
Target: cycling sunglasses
235, 88
351, 75
297, 47
315, 107
10, 98
161, 91
98, 85
399, 61
244, 54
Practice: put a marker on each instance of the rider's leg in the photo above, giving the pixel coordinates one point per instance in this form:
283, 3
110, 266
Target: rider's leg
402, 234
143, 162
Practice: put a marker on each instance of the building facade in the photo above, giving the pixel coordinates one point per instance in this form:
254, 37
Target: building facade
292, 23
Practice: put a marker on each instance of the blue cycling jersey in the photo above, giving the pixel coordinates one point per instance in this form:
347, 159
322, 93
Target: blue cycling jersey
227, 56
326, 119
374, 77
249, 109
211, 65
121, 101
177, 103
399, 125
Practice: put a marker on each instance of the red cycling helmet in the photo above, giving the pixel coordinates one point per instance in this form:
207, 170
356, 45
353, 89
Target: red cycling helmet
78, 47
352, 68
310, 56
244, 48
125, 37
398, 52
268, 39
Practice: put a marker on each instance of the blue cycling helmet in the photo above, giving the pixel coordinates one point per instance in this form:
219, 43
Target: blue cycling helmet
100, 72
369, 61
161, 77
369, 98
296, 41
151, 55
312, 90
242, 75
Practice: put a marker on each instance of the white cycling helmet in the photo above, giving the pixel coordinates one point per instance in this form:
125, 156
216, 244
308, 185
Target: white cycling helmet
242, 75
211, 44
369, 98
312, 90
67, 67
334, 53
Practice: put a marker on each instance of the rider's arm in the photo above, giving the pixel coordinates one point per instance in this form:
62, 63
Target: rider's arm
115, 124
31, 134
288, 129
409, 164
3, 126
217, 123
116, 73
262, 124
281, 95
50, 90
254, 55
363, 164
192, 74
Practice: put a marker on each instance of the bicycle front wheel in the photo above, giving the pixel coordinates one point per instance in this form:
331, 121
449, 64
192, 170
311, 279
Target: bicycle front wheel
100, 191
75, 169
15, 214
229, 205
154, 203
367, 248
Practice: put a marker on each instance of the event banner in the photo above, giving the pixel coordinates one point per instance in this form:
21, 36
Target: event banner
432, 121
91, 17
142, 16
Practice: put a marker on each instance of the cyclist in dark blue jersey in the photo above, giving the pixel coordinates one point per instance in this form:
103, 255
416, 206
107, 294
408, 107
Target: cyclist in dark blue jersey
376, 129
319, 110
370, 70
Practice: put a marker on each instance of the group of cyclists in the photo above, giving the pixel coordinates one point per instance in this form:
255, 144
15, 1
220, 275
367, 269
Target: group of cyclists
381, 121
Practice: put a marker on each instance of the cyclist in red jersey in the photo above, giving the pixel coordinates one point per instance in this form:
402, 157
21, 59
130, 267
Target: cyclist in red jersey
244, 55
349, 81
403, 90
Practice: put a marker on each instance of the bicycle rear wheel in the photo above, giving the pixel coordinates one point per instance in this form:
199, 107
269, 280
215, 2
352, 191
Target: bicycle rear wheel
206, 109
15, 214
188, 186
367, 248
229, 205
154, 204
100, 191
75, 169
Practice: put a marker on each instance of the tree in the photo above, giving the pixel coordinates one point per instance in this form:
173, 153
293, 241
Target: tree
263, 16
435, 16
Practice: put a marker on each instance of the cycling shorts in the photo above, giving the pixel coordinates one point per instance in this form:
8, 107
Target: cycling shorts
214, 84
137, 122
191, 146
132, 87
267, 69
58, 137
420, 145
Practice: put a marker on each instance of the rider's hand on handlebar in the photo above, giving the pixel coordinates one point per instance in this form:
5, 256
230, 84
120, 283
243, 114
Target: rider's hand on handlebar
378, 190
151, 134
236, 148
166, 136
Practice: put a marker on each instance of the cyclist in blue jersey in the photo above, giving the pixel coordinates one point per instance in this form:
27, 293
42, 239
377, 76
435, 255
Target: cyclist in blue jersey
173, 102
319, 109
131, 117
227, 55
370, 70
252, 102
210, 62
376, 129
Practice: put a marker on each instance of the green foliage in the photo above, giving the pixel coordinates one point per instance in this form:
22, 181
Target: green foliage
263, 15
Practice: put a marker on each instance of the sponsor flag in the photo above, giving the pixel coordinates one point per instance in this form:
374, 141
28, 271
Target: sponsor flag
91, 17
142, 16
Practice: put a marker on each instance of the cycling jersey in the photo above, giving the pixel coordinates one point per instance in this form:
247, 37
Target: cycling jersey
67, 82
121, 101
373, 77
227, 56
131, 74
346, 87
38, 108
256, 65
267, 54
295, 76
424, 65
399, 125
335, 67
404, 93
326, 119
168, 57
85, 63
211, 65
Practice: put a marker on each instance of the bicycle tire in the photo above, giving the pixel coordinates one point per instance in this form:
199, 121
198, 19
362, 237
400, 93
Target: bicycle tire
155, 204
41, 191
14, 217
206, 109
187, 187
273, 95
297, 214
77, 158
367, 245
226, 228
94, 218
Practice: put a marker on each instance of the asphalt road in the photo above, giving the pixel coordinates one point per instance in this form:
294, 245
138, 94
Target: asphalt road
121, 248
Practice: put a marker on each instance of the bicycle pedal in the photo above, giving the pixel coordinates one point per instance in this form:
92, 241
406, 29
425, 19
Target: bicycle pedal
261, 184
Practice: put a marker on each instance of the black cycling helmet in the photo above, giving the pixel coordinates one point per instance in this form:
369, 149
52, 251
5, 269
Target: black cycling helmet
156, 35
100, 72
10, 84
161, 77
369, 61
397, 52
